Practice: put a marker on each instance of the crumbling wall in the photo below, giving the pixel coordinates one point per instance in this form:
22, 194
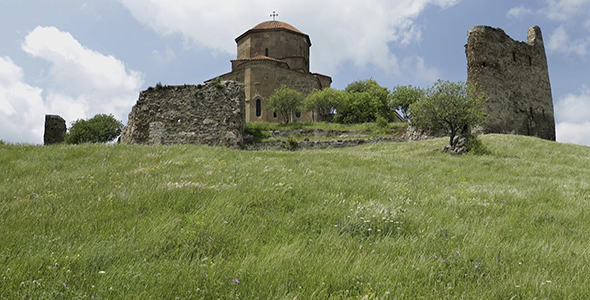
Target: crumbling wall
210, 114
515, 77
55, 130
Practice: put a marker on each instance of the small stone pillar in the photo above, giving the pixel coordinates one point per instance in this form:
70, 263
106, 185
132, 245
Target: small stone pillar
55, 129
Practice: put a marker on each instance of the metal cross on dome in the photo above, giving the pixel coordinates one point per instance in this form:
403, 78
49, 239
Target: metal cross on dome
274, 14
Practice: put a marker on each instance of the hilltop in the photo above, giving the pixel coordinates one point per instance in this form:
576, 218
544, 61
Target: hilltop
390, 220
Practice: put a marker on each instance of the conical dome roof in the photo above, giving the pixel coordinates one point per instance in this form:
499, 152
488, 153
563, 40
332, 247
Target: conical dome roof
276, 25
273, 25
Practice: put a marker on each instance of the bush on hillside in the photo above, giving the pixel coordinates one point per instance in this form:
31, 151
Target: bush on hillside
258, 131
402, 97
98, 129
286, 102
363, 102
451, 107
322, 103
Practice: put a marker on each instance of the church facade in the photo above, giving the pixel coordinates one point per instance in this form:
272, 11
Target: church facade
270, 55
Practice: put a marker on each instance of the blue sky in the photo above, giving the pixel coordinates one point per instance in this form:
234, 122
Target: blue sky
85, 57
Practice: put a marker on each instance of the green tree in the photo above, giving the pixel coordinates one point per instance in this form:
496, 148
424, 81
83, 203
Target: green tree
322, 103
403, 96
98, 129
451, 107
365, 101
286, 102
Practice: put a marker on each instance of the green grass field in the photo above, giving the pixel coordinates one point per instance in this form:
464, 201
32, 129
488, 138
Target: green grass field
379, 221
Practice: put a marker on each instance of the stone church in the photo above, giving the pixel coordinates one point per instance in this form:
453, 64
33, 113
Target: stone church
270, 55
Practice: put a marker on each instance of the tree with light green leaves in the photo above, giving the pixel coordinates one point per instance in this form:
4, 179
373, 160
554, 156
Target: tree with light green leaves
286, 102
322, 103
364, 101
403, 96
98, 129
450, 107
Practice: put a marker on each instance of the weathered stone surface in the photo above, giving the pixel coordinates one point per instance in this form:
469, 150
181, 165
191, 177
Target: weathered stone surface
316, 132
415, 134
55, 130
210, 114
515, 77
322, 144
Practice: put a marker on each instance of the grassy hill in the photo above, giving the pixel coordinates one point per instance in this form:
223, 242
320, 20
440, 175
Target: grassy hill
391, 221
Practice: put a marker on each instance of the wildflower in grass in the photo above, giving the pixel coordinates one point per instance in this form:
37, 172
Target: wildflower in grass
63, 283
235, 281
435, 256
205, 275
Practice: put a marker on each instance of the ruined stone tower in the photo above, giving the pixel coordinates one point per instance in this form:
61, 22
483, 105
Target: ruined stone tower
515, 77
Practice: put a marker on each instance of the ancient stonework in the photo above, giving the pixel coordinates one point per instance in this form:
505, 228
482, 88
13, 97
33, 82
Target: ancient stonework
271, 55
515, 77
55, 130
210, 114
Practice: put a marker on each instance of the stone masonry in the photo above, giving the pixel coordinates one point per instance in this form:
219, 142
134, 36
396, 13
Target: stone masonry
55, 130
271, 55
515, 77
210, 114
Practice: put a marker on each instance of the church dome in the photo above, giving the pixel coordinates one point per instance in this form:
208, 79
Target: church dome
275, 25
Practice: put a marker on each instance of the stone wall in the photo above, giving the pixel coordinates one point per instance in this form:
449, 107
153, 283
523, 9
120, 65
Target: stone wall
515, 77
55, 130
210, 114
321, 144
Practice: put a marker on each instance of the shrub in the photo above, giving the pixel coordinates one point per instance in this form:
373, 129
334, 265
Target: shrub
382, 122
98, 129
450, 107
402, 97
286, 102
476, 146
292, 144
363, 101
257, 131
322, 103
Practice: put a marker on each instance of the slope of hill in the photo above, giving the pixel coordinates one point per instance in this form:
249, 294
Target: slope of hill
400, 220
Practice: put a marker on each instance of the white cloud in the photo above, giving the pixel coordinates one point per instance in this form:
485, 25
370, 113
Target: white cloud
22, 112
518, 12
566, 10
165, 57
560, 41
572, 114
574, 108
416, 67
341, 30
85, 82
573, 133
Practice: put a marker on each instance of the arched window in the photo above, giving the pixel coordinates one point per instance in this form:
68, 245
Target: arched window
274, 114
266, 52
258, 108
